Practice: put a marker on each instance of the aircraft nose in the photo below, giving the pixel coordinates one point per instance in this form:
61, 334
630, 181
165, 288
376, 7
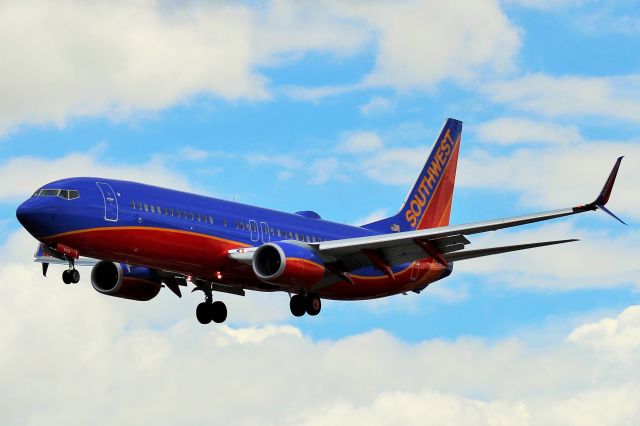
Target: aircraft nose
32, 214
25, 213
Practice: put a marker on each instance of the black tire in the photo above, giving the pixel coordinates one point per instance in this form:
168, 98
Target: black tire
66, 277
297, 305
75, 276
203, 313
218, 312
313, 304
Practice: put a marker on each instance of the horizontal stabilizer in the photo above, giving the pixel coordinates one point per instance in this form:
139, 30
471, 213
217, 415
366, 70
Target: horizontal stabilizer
470, 254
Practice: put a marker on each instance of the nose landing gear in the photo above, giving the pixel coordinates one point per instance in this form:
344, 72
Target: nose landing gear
71, 275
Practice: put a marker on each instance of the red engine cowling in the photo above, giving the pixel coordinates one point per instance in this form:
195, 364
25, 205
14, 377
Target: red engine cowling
288, 264
128, 282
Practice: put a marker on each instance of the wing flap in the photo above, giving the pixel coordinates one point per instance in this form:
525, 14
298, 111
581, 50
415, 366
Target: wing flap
471, 254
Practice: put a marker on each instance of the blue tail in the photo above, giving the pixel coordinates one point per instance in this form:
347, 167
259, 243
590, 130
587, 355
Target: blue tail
428, 204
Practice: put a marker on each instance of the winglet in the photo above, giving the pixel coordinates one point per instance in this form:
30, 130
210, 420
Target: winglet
608, 185
604, 195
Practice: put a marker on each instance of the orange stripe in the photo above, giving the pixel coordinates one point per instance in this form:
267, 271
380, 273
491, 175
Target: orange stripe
310, 262
144, 228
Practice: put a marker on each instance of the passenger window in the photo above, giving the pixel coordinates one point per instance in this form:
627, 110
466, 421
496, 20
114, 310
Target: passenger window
158, 210
146, 207
278, 232
242, 225
139, 206
153, 209
313, 238
191, 215
273, 232
133, 205
165, 211
306, 237
199, 218
211, 220
171, 211
224, 222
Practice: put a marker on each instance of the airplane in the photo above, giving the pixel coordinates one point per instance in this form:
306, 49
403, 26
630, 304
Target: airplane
139, 238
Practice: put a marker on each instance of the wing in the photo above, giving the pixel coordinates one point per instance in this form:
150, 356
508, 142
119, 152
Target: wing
447, 243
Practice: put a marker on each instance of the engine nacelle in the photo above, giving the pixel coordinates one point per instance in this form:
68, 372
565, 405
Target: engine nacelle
128, 282
288, 264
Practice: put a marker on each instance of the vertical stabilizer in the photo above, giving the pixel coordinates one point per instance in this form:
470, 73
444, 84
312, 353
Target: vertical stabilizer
428, 204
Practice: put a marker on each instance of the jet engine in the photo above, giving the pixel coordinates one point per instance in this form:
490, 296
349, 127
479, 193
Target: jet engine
288, 264
128, 282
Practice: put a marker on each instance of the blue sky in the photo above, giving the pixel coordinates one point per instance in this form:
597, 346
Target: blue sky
333, 108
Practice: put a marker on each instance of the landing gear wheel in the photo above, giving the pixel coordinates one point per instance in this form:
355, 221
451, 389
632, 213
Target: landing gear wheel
66, 276
218, 312
313, 304
203, 313
297, 305
74, 274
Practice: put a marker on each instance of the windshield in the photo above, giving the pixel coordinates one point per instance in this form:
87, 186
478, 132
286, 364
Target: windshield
67, 194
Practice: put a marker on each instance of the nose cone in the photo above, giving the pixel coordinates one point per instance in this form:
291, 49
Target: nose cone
23, 213
35, 214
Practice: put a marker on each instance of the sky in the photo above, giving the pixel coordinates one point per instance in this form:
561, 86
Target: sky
331, 106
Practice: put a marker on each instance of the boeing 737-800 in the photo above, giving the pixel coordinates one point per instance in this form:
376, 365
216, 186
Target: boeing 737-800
140, 238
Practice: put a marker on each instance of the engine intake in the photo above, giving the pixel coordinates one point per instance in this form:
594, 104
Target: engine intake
127, 282
288, 264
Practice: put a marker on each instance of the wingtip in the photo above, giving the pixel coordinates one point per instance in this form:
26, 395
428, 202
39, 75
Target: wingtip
605, 193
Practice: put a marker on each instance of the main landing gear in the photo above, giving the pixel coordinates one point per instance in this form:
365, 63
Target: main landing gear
71, 275
209, 310
309, 303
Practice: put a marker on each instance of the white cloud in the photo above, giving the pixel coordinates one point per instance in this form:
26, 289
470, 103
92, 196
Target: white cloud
511, 131
75, 58
618, 336
562, 267
558, 176
193, 154
421, 43
323, 170
20, 180
572, 96
120, 58
395, 166
372, 217
377, 105
73, 356
359, 142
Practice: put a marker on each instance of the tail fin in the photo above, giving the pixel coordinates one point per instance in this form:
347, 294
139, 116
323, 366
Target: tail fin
428, 204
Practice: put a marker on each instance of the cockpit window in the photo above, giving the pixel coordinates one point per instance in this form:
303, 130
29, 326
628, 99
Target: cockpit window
67, 194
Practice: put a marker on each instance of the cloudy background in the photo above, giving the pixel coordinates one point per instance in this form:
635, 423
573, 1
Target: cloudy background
331, 106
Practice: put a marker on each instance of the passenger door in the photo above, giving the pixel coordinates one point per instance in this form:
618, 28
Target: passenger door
264, 229
110, 202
